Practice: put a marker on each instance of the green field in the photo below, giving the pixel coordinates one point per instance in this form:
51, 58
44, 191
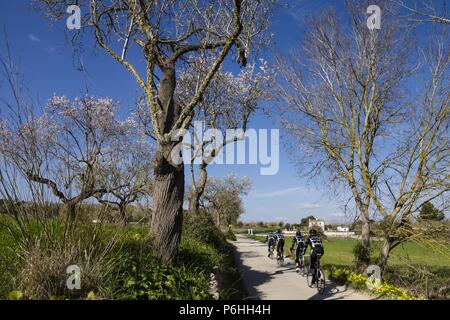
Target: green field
339, 252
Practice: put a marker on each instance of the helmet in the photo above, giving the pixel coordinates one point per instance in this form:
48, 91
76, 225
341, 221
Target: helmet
298, 233
313, 232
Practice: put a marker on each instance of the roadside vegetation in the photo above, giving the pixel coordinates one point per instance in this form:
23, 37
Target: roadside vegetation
120, 263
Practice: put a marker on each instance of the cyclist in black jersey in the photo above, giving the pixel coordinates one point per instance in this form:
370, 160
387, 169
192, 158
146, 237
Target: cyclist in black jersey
280, 243
300, 250
271, 240
316, 251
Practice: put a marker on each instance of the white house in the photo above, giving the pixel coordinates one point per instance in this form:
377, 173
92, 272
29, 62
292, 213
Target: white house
342, 229
316, 223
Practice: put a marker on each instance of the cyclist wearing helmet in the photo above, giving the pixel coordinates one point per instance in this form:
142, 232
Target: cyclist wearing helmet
271, 239
280, 243
300, 249
316, 251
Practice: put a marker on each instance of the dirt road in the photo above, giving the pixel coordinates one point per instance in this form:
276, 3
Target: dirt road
264, 280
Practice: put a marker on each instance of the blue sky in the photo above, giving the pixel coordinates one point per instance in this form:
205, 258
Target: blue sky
46, 59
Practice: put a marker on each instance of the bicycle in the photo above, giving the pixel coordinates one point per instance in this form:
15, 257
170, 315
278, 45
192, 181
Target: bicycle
302, 266
280, 259
320, 277
271, 249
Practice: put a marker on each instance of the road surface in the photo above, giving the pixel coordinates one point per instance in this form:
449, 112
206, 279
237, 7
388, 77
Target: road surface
264, 280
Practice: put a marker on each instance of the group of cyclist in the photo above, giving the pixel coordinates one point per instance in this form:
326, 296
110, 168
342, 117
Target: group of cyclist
301, 244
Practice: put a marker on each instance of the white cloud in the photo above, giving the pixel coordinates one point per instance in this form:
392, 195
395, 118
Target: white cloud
33, 38
303, 206
277, 193
338, 214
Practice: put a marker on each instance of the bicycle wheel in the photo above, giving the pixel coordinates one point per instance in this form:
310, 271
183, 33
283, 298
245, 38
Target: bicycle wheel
303, 270
309, 277
320, 281
280, 261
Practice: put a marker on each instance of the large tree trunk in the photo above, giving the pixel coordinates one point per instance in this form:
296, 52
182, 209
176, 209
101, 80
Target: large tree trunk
168, 191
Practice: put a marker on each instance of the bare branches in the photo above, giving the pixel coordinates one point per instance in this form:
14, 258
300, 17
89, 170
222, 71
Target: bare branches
425, 11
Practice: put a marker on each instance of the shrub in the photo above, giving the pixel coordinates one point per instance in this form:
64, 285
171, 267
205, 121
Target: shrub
230, 235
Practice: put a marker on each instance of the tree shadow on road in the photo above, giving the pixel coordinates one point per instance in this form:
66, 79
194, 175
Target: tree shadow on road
253, 277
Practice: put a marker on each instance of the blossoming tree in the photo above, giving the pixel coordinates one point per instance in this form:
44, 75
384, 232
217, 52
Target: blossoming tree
64, 147
228, 103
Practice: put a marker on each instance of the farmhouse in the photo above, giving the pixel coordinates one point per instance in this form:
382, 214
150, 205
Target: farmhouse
316, 223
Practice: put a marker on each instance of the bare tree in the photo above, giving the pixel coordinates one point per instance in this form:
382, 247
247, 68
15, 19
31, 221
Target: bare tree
340, 91
125, 171
222, 198
416, 170
228, 103
165, 32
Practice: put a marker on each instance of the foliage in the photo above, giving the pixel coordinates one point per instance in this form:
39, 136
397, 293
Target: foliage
429, 212
142, 276
230, 235
304, 222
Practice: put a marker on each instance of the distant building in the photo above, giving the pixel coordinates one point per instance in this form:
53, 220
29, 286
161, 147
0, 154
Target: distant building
342, 229
316, 223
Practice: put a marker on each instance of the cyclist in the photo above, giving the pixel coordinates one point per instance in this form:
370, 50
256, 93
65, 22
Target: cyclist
300, 249
270, 239
280, 244
316, 251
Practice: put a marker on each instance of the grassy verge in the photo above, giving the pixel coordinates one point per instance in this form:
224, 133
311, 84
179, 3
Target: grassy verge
121, 265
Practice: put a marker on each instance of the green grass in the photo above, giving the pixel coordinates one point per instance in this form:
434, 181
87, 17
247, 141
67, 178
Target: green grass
339, 252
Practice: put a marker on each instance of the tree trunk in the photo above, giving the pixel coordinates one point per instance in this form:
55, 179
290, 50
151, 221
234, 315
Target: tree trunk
194, 202
198, 190
70, 211
168, 191
363, 260
218, 219
384, 253
123, 214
